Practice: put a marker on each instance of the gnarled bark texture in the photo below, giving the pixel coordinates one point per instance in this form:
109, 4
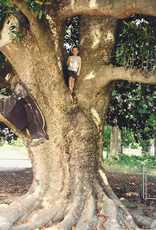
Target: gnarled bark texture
69, 186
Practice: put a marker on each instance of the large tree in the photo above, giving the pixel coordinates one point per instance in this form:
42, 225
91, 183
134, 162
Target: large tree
69, 184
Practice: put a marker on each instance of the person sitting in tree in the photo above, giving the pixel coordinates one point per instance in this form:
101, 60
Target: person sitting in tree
74, 68
22, 111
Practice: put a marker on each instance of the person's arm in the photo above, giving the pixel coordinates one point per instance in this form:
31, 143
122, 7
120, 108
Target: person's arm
68, 60
79, 69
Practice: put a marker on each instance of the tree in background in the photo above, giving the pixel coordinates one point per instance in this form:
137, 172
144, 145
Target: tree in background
69, 186
133, 106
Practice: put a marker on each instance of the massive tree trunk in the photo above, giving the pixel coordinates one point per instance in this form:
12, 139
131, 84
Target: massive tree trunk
69, 184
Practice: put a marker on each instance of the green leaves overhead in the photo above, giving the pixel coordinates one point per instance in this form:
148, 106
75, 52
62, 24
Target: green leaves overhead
134, 105
6, 3
36, 7
136, 46
7, 7
72, 33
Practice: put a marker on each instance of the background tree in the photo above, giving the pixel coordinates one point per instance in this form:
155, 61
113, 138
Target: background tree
133, 105
69, 185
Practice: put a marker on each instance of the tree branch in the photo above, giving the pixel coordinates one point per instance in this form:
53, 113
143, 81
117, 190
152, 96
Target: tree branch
109, 73
142, 220
106, 74
42, 38
132, 75
21, 5
114, 8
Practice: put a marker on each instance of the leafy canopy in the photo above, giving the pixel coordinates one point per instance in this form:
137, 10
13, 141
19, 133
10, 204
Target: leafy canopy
134, 105
7, 7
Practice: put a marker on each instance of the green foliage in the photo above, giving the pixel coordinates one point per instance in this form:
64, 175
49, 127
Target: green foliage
6, 8
128, 139
37, 7
72, 33
16, 35
6, 3
5, 91
137, 45
2, 61
107, 136
132, 162
133, 106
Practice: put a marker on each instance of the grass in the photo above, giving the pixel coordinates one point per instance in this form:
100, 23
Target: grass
130, 164
14, 143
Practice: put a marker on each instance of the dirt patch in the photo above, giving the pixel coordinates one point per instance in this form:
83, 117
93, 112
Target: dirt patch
128, 188
14, 184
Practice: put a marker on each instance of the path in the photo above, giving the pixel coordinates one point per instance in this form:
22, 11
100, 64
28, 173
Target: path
13, 158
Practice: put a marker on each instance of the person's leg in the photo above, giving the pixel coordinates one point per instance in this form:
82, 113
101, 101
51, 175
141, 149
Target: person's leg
71, 84
71, 88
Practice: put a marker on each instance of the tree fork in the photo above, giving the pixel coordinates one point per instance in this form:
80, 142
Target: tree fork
66, 167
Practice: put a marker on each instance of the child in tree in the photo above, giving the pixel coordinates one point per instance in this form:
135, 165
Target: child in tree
74, 68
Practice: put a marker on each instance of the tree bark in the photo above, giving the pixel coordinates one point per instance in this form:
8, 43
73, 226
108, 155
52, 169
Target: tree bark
115, 142
69, 186
117, 9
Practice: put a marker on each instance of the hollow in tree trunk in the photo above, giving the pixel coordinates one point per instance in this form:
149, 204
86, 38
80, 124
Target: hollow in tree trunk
69, 186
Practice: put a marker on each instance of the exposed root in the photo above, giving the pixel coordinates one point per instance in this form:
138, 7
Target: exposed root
81, 214
106, 187
88, 219
43, 217
20, 207
142, 220
109, 192
89, 208
73, 214
55, 214
85, 212
118, 210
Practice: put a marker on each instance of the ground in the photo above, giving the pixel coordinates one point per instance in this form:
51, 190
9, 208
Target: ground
126, 186
14, 184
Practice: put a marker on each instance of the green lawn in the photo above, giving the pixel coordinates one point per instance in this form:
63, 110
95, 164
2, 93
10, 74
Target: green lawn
130, 164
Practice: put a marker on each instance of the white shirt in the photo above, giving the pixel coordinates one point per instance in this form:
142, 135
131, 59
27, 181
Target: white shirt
74, 63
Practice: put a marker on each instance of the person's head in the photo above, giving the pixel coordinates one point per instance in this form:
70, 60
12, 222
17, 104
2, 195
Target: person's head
75, 51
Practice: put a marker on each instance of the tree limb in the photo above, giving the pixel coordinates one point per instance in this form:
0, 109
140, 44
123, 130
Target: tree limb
114, 8
143, 221
133, 75
21, 5
109, 73
40, 39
